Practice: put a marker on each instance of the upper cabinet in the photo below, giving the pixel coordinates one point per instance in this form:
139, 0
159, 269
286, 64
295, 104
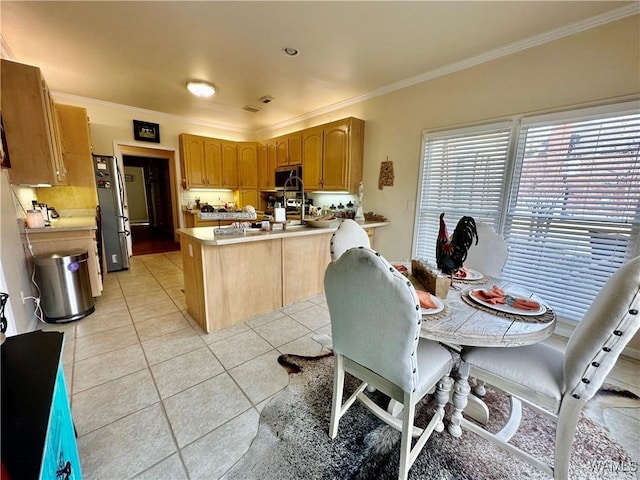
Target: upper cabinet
248, 165
192, 159
266, 166
229, 165
332, 155
312, 175
342, 157
31, 127
209, 162
289, 150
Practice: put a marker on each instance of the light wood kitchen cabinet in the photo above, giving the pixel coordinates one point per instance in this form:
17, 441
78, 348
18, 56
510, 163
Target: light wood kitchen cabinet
31, 127
342, 154
289, 150
201, 161
81, 192
192, 161
247, 165
213, 162
248, 197
294, 144
312, 174
266, 168
282, 152
229, 165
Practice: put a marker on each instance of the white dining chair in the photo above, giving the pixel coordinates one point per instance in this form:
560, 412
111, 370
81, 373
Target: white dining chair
557, 384
375, 325
348, 235
490, 254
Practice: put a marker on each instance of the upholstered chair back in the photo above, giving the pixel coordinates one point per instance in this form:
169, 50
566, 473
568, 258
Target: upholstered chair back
375, 315
611, 321
491, 252
348, 235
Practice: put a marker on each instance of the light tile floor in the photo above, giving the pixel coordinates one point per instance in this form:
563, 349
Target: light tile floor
155, 397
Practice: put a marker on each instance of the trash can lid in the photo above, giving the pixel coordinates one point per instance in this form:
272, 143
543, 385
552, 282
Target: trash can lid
60, 258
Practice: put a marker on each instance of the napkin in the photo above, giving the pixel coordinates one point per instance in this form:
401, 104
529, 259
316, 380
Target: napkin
497, 295
425, 300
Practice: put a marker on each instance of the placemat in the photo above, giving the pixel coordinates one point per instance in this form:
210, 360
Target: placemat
545, 317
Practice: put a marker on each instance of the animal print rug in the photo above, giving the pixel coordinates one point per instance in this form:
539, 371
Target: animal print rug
293, 443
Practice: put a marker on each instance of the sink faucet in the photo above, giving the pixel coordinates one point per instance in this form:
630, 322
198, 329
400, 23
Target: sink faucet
284, 194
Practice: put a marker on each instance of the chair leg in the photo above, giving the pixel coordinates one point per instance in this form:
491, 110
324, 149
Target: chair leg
565, 431
405, 444
460, 398
442, 395
336, 402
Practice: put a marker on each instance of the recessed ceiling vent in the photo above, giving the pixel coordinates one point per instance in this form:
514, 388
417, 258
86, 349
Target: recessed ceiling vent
265, 99
251, 108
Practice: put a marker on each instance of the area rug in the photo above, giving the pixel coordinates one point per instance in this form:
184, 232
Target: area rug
292, 440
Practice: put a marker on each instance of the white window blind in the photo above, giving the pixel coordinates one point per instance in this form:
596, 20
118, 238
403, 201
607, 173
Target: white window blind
574, 208
462, 174
566, 197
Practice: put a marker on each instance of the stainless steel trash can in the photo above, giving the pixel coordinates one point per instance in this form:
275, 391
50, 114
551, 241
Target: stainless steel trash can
65, 287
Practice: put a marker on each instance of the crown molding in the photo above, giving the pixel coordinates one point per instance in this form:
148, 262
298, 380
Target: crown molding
61, 97
510, 49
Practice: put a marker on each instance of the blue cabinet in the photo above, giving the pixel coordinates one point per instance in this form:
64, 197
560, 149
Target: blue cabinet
38, 437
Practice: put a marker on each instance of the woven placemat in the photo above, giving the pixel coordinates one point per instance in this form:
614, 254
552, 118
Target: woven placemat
464, 281
437, 316
545, 317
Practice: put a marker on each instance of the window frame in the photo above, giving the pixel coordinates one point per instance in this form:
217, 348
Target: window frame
514, 161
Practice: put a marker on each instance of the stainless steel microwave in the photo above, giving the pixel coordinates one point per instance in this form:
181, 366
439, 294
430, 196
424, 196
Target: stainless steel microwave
282, 175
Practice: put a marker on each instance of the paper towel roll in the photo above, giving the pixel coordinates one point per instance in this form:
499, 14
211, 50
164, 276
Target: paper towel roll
280, 214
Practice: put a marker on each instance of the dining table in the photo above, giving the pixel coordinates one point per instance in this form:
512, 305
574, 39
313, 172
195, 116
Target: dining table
463, 319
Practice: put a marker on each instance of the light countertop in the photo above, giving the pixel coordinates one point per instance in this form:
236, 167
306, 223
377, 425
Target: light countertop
67, 224
206, 236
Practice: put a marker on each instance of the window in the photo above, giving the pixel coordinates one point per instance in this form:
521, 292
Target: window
571, 188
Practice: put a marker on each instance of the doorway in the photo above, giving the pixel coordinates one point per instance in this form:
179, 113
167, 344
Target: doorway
148, 176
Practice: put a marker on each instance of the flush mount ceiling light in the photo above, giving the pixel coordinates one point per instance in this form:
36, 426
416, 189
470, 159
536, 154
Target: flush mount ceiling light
290, 51
201, 89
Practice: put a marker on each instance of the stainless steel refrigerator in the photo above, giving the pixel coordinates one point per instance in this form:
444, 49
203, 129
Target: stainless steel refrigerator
111, 216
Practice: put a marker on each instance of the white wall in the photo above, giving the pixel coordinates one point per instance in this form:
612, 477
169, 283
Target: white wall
14, 275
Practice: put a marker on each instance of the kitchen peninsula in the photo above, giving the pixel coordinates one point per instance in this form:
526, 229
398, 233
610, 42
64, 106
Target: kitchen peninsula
231, 278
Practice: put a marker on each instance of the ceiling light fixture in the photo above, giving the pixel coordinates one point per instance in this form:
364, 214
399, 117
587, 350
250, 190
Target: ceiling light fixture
290, 51
201, 89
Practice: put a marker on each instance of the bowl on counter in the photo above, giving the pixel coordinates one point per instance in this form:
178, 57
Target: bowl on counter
323, 223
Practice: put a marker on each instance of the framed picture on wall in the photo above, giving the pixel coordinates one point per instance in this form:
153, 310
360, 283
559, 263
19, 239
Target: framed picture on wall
146, 131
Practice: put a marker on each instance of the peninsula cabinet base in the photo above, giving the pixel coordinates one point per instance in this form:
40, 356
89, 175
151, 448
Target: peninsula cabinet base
228, 284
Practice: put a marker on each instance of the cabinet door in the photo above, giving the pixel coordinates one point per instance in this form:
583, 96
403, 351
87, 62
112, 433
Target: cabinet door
248, 197
282, 152
247, 166
336, 156
295, 149
76, 145
31, 127
272, 162
193, 163
264, 176
312, 158
229, 165
213, 163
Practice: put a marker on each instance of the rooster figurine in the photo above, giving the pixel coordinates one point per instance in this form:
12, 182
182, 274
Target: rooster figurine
452, 252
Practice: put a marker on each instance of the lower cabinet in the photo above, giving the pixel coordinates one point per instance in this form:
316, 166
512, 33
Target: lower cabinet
38, 436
